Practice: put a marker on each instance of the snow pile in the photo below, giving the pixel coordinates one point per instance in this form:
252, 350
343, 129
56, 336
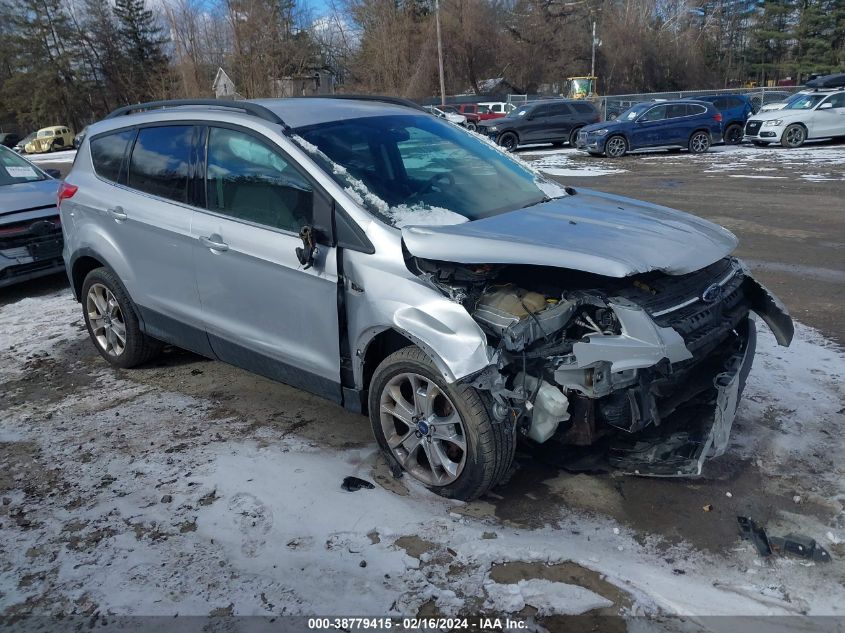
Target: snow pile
572, 163
404, 215
66, 156
549, 598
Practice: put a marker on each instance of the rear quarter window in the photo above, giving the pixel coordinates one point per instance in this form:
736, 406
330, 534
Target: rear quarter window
160, 161
584, 108
107, 153
694, 109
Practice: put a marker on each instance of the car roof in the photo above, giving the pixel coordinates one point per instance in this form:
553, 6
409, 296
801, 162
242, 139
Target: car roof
52, 127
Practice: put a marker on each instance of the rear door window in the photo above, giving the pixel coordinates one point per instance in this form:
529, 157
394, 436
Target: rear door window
560, 109
676, 110
583, 108
248, 179
161, 160
108, 151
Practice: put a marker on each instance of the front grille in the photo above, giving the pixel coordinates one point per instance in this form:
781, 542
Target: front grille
676, 302
752, 128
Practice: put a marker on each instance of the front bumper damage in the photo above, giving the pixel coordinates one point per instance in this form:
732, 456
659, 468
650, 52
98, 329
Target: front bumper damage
660, 397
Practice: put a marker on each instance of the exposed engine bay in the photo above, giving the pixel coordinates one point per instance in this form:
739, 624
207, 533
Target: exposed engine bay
647, 369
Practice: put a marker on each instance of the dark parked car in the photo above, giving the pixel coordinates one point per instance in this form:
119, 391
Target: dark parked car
30, 228
9, 140
694, 125
554, 121
735, 110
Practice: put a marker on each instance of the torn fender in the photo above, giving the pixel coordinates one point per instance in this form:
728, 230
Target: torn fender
770, 309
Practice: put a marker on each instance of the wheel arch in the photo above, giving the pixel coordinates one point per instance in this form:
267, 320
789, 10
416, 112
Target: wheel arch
83, 263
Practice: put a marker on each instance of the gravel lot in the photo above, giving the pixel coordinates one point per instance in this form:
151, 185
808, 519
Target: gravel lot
189, 487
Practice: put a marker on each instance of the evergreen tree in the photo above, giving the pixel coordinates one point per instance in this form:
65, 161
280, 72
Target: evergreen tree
142, 44
773, 34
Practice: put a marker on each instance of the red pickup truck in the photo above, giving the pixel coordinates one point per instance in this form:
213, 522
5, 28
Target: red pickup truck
473, 112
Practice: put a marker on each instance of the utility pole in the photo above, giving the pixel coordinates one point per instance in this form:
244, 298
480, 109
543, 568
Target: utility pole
440, 53
593, 61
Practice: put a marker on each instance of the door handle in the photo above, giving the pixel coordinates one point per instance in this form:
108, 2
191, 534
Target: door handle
117, 213
215, 243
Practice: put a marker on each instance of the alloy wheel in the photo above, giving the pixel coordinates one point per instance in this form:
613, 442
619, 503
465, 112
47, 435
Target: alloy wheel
106, 319
423, 429
794, 135
699, 143
615, 147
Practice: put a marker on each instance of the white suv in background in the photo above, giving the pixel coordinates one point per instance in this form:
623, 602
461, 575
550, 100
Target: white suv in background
812, 116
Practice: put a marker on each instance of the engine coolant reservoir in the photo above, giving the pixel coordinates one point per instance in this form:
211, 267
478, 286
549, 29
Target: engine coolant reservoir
551, 407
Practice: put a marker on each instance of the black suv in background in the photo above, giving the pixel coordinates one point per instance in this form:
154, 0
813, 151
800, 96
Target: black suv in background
555, 121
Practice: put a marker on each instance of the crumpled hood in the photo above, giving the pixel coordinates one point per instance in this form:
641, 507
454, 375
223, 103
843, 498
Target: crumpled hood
28, 195
590, 231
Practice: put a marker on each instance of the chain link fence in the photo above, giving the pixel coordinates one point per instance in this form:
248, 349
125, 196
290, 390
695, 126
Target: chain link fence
612, 106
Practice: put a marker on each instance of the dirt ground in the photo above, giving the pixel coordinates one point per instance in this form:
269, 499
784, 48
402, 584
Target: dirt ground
791, 230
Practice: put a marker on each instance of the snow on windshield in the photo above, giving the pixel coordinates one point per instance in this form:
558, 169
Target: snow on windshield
402, 215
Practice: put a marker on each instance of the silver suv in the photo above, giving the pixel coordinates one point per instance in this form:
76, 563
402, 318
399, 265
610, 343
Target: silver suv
366, 251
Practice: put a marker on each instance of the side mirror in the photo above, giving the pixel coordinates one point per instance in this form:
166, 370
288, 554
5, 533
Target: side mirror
307, 253
826, 106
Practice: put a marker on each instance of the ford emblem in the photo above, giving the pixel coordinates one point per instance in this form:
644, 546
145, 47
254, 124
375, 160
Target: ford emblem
712, 293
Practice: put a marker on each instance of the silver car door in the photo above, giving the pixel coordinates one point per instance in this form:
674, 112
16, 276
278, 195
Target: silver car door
829, 120
263, 309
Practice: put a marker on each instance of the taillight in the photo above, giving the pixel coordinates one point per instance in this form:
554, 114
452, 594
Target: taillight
66, 191
717, 117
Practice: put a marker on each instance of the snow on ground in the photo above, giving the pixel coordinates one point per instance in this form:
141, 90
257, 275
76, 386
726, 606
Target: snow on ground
128, 499
812, 163
571, 163
65, 156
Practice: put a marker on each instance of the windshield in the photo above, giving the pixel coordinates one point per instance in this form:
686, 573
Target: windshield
633, 112
413, 169
520, 111
45, 133
805, 102
15, 170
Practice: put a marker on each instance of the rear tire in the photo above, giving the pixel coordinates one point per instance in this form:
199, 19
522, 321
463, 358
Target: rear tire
112, 322
472, 127
699, 143
733, 134
509, 141
416, 414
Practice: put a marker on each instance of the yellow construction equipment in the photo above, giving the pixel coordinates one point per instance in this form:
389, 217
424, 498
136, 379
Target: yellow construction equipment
581, 87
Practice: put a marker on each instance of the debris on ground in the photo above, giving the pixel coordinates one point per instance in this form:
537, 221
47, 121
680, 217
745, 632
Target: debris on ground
794, 544
351, 484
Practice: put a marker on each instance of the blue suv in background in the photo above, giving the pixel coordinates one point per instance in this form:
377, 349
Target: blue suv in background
694, 125
735, 110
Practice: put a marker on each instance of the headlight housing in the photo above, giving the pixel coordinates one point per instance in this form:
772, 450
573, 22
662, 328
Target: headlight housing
492, 128
772, 123
601, 132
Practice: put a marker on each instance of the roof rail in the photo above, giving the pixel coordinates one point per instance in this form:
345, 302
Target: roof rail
394, 100
247, 106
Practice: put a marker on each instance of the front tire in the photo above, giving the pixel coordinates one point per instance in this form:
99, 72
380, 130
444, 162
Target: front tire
509, 141
472, 127
616, 147
112, 323
699, 143
573, 137
441, 434
794, 136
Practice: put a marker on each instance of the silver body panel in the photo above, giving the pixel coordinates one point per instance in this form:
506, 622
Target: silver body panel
251, 296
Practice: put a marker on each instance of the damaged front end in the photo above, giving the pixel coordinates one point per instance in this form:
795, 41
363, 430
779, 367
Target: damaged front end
647, 370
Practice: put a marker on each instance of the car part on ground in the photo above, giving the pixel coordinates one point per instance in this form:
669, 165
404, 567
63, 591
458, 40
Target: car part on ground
692, 125
428, 279
554, 121
797, 545
807, 116
30, 227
